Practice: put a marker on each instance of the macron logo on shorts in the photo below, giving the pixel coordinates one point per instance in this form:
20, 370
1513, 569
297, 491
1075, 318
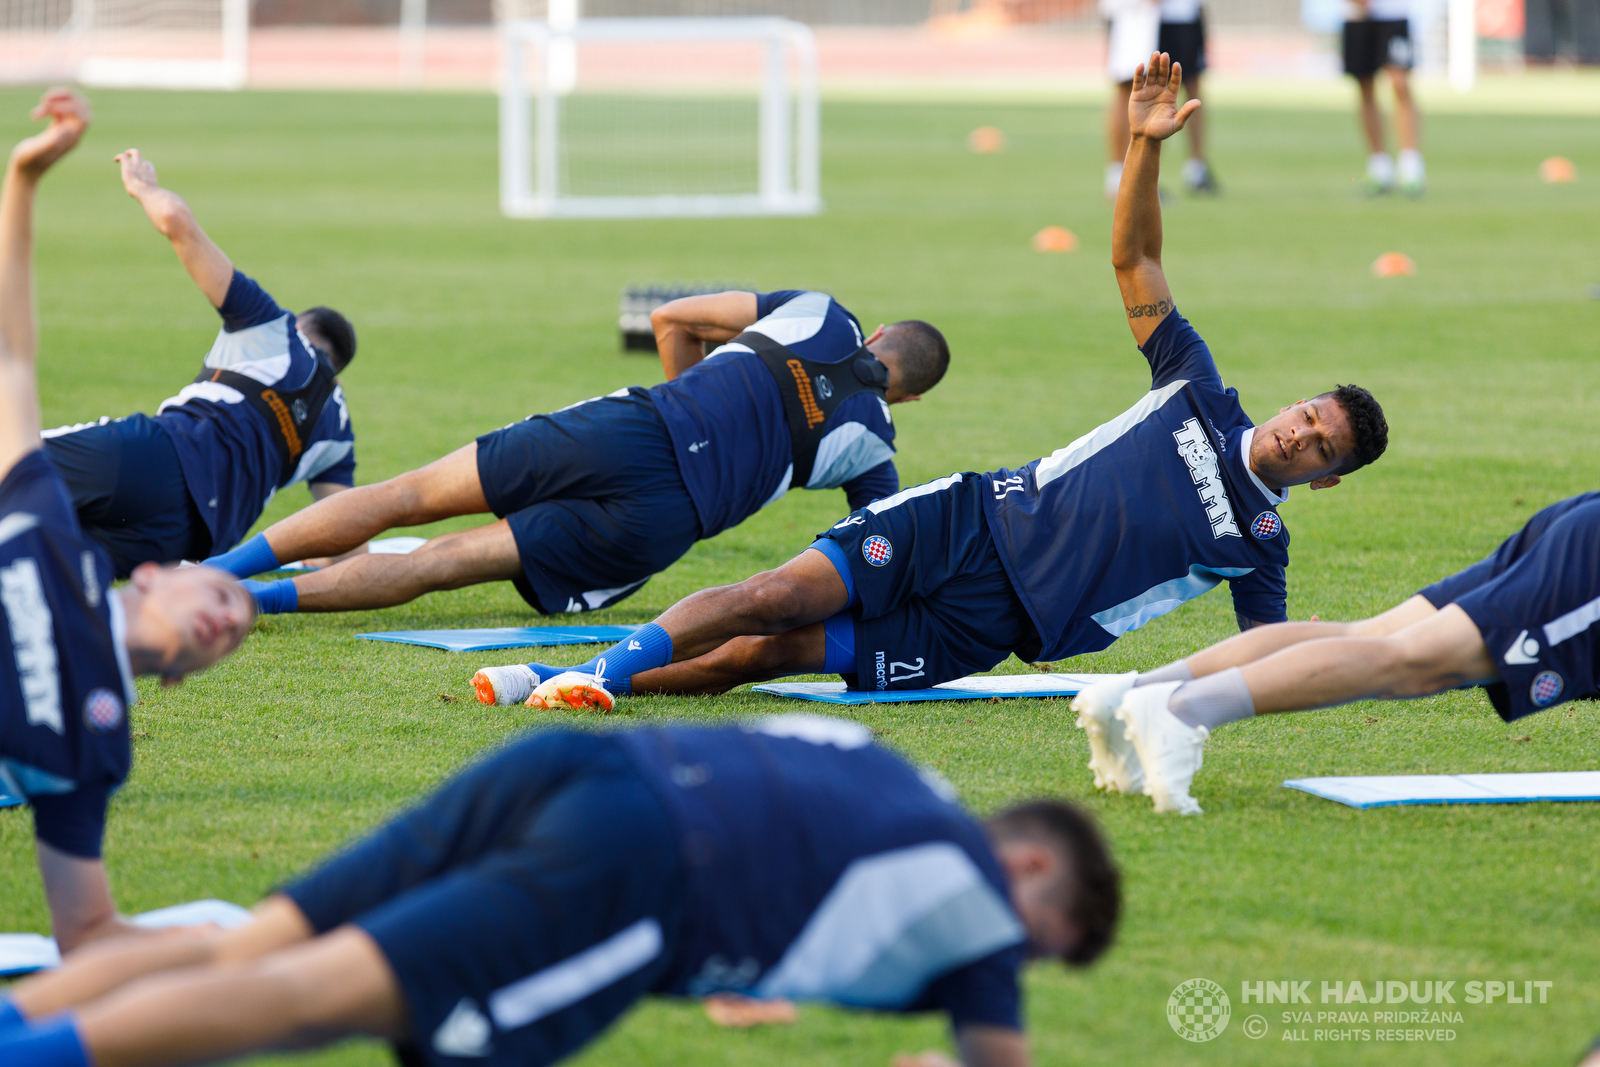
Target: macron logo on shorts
1523, 650
1201, 459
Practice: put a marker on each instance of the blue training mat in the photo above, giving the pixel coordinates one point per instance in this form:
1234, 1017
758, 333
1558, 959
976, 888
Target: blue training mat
504, 637
1393, 790
976, 687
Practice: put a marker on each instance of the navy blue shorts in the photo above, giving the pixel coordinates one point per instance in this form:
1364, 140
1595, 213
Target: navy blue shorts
931, 598
1535, 601
523, 907
594, 498
129, 491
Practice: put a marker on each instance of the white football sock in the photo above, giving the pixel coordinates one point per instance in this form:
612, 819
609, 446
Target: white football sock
1172, 672
1380, 168
1214, 700
1113, 180
1412, 172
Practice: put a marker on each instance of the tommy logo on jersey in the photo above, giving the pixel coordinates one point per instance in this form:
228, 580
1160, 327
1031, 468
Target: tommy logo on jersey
1201, 459
877, 550
1267, 525
102, 711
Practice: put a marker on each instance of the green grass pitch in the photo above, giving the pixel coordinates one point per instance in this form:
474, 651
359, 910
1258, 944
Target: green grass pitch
384, 206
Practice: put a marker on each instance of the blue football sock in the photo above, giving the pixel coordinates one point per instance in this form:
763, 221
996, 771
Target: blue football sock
645, 649
10, 1016
255, 556
275, 597
54, 1044
545, 673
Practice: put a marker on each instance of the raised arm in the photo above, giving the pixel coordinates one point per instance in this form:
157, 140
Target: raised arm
19, 332
682, 324
1153, 115
210, 268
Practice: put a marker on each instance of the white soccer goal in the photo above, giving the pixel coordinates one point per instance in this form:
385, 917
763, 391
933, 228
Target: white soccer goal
166, 44
636, 118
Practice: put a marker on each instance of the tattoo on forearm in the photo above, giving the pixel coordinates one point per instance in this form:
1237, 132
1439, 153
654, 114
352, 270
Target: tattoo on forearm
1143, 311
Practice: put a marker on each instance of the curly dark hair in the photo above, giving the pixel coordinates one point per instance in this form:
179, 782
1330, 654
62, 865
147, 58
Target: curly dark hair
1370, 428
1092, 895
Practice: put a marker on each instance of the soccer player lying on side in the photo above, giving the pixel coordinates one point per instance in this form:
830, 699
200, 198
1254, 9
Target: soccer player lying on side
265, 411
1052, 559
596, 498
1520, 623
513, 915
69, 643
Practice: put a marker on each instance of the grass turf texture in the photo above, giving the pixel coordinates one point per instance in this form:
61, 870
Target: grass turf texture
384, 206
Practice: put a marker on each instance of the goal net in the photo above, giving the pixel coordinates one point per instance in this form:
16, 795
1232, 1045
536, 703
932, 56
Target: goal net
173, 44
630, 118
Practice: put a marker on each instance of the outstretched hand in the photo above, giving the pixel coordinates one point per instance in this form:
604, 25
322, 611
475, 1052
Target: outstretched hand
138, 173
69, 116
1153, 110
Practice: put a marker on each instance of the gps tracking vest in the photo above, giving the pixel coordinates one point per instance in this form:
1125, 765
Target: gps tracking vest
292, 415
812, 391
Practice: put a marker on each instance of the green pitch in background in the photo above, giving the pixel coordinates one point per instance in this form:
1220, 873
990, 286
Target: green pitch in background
384, 207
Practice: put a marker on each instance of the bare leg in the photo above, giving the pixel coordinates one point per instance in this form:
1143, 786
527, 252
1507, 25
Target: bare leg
739, 662
1406, 124
1442, 651
485, 554
1371, 118
99, 968
443, 489
1251, 645
1197, 121
308, 994
1117, 133
803, 591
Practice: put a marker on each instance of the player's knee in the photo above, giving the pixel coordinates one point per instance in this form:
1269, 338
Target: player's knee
1410, 666
773, 601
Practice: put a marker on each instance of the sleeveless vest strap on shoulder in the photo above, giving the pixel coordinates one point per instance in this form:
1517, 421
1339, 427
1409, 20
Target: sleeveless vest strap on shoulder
290, 414
813, 390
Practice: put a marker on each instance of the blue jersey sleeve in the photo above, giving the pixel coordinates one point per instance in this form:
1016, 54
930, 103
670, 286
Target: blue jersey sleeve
73, 822
1262, 595
767, 303
1176, 353
983, 993
875, 484
247, 304
341, 473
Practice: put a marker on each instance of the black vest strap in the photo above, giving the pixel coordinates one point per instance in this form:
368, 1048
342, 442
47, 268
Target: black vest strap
812, 391
291, 415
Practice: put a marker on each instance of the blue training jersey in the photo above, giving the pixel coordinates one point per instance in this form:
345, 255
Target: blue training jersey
725, 415
65, 686
224, 445
822, 867
1145, 512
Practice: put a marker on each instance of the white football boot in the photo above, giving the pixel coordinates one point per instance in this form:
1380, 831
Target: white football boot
511, 684
572, 691
1111, 755
1169, 751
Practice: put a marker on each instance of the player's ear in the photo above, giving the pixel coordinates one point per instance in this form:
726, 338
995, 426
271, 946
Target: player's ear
144, 575
1325, 483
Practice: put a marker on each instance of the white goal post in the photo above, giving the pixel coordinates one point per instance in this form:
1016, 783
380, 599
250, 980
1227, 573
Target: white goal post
532, 142
160, 44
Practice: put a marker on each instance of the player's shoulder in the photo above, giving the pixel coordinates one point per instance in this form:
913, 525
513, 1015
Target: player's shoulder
33, 496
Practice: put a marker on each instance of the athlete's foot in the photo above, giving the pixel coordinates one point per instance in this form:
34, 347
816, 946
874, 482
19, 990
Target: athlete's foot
1198, 179
572, 691
1111, 755
511, 684
1169, 751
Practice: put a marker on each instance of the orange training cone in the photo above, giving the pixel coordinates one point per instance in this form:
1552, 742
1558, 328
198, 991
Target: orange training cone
1393, 265
1055, 239
985, 140
1558, 169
